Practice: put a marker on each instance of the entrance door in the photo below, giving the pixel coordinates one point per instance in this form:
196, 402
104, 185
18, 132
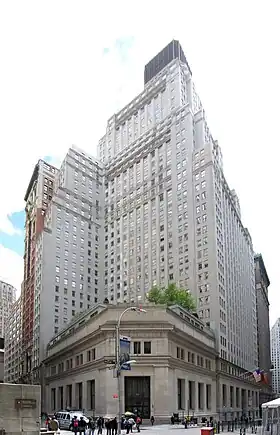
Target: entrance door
138, 395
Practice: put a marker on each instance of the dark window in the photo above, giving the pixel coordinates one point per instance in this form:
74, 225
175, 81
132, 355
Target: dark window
91, 394
60, 393
200, 395
180, 393
69, 396
208, 396
80, 395
53, 399
137, 347
88, 356
191, 395
93, 353
147, 347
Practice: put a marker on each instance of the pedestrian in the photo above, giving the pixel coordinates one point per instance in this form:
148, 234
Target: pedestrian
131, 423
75, 424
108, 426
91, 426
138, 422
82, 426
114, 426
152, 420
53, 425
127, 426
99, 425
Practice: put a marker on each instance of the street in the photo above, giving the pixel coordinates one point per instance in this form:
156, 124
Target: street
165, 429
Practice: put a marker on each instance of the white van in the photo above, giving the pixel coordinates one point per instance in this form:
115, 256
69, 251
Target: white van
64, 418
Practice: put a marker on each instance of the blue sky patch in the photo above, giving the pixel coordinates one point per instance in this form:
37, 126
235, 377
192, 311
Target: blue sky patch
16, 241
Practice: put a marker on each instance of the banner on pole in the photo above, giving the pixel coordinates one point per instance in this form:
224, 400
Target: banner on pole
125, 352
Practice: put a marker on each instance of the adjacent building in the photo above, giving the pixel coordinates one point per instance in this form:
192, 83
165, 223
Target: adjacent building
7, 298
176, 369
264, 352
69, 251
38, 195
13, 344
170, 215
275, 356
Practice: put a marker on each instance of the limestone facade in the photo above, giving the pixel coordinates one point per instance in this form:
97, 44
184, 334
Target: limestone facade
175, 369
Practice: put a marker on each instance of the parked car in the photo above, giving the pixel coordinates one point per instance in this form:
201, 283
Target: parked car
64, 418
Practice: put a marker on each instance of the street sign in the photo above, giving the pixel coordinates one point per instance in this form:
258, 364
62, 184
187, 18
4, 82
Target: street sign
115, 396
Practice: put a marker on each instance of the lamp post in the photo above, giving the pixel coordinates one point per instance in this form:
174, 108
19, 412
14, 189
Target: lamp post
119, 365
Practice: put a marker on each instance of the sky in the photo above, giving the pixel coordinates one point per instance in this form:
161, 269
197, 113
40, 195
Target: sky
67, 66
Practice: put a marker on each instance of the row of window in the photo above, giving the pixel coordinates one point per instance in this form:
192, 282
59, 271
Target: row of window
193, 359
138, 349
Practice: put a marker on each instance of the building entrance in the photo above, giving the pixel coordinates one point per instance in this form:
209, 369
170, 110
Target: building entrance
138, 395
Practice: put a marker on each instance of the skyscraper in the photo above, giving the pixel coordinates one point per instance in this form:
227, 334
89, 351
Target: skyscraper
170, 215
275, 355
156, 208
7, 298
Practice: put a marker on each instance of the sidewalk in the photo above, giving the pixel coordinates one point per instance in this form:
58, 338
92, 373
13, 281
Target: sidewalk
179, 429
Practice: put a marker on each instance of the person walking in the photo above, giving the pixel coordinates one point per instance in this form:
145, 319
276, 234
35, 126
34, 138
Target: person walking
75, 424
53, 425
152, 420
138, 423
91, 426
108, 426
99, 425
114, 426
82, 426
131, 423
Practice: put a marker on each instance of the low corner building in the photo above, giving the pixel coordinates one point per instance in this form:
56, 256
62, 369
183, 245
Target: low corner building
175, 369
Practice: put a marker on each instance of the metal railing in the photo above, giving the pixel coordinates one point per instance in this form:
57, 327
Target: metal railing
242, 427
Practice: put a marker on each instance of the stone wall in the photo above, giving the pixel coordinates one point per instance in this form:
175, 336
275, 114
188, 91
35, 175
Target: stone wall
18, 419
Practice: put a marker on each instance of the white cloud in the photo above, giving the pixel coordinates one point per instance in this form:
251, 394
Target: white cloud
58, 88
11, 268
7, 227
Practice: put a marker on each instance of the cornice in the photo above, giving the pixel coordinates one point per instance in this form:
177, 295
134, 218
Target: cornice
237, 379
183, 339
82, 344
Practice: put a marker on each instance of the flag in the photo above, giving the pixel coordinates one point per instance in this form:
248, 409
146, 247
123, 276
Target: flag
124, 352
257, 375
265, 378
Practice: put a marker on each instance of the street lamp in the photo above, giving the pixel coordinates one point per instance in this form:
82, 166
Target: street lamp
119, 365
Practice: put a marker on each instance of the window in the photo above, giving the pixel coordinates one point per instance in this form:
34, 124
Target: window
181, 393
93, 354
88, 356
137, 347
147, 347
